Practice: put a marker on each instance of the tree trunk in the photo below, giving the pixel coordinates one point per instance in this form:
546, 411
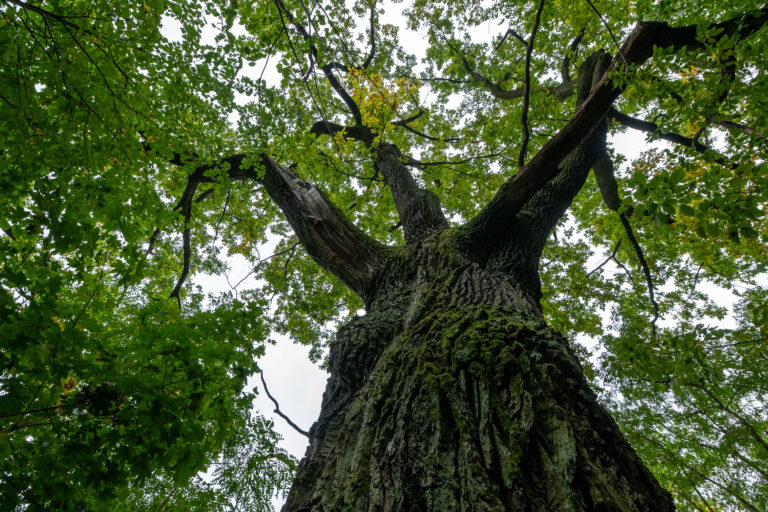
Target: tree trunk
452, 393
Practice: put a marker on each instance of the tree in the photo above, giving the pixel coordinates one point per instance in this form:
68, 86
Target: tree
452, 201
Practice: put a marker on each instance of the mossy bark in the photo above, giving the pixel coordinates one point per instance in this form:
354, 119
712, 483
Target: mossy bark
452, 393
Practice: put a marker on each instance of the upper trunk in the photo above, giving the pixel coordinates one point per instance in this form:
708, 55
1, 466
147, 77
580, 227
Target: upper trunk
452, 393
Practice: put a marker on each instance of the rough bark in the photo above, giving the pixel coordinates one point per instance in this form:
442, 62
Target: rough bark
452, 393
325, 232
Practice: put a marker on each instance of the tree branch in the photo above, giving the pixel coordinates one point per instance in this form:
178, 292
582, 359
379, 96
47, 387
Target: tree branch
326, 234
565, 72
328, 68
364, 134
277, 408
527, 86
608, 28
45, 14
372, 53
609, 258
512, 33
644, 266
655, 130
544, 166
540, 213
186, 211
738, 127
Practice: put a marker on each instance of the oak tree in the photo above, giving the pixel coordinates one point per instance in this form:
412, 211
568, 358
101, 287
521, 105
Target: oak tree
453, 204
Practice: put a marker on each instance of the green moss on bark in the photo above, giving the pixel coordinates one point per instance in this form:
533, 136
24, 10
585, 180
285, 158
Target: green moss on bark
453, 394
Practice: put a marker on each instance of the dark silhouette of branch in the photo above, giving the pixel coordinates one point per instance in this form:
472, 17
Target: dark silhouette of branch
277, 408
609, 258
644, 266
638, 48
45, 14
656, 131
681, 462
328, 68
366, 134
409, 119
21, 492
186, 211
738, 127
573, 48
512, 33
223, 212
609, 190
608, 28
41, 409
560, 91
496, 90
527, 86
437, 79
429, 137
412, 162
744, 422
372, 52
360, 132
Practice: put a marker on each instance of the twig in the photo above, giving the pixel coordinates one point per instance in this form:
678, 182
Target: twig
277, 408
223, 212
605, 24
327, 69
428, 137
527, 87
609, 258
46, 14
166, 500
32, 501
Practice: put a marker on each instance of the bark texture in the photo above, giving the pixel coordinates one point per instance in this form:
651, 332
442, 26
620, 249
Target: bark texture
452, 393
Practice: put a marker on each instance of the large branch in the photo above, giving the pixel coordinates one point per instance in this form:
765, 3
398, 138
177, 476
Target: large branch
324, 231
545, 165
540, 214
419, 209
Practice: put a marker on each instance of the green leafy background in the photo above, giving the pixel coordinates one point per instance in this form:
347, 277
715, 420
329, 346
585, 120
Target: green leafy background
115, 397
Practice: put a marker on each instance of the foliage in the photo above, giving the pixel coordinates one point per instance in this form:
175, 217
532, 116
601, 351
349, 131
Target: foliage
113, 394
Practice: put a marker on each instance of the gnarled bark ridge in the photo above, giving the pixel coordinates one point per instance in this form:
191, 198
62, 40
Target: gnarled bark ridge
452, 393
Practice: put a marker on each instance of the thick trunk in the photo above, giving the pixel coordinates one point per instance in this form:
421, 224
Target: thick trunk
452, 393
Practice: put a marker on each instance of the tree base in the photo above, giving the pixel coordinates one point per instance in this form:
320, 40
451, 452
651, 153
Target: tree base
472, 408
